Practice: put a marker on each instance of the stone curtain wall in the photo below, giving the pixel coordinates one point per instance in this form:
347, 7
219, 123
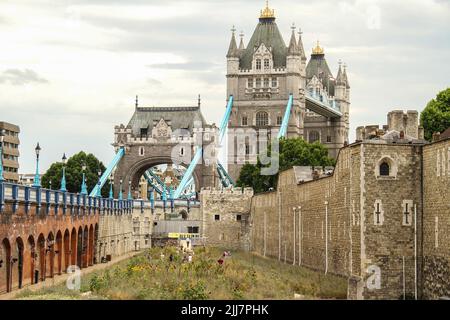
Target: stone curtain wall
115, 235
306, 224
228, 231
436, 220
335, 225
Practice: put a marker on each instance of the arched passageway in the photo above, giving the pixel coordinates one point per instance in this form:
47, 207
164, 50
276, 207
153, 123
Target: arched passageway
59, 252
85, 246
66, 249
17, 263
32, 256
41, 257
73, 247
91, 246
50, 255
5, 271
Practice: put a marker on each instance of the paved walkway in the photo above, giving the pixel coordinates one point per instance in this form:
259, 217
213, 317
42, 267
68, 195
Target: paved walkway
58, 279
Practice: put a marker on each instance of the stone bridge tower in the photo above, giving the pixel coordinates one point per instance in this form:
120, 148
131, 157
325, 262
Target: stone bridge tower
165, 135
262, 75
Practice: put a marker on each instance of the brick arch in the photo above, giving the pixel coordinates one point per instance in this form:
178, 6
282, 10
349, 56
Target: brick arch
59, 252
80, 247
73, 246
91, 246
5, 271
32, 256
66, 249
19, 263
85, 246
41, 256
96, 254
50, 255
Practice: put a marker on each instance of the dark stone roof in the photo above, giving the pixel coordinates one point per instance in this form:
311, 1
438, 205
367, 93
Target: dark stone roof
266, 32
179, 117
317, 66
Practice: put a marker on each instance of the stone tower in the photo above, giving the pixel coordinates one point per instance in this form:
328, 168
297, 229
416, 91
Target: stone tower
261, 77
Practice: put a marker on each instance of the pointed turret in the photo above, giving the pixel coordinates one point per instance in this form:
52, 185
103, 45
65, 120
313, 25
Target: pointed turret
233, 50
300, 45
241, 44
345, 77
340, 81
293, 48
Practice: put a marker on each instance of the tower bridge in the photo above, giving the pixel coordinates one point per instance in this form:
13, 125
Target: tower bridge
269, 86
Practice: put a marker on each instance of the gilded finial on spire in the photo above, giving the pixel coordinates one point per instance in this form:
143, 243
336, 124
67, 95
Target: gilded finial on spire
318, 49
267, 13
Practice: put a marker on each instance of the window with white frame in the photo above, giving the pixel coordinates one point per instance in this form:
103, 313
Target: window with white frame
258, 82
266, 82
250, 83
258, 64
244, 120
274, 82
266, 64
262, 119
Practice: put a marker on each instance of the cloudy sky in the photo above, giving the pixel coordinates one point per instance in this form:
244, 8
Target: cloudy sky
70, 69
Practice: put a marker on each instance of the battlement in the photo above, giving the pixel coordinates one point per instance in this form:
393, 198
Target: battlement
401, 126
227, 191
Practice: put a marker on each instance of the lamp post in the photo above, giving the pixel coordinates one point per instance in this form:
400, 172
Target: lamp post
37, 179
2, 136
99, 184
120, 189
83, 183
63, 179
111, 194
129, 191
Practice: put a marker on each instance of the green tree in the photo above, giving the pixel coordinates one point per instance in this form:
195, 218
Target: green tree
292, 152
436, 115
74, 173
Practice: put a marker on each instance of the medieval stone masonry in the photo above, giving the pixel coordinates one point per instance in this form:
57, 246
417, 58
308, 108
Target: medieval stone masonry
387, 232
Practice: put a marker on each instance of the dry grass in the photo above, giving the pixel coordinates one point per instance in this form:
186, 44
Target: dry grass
242, 276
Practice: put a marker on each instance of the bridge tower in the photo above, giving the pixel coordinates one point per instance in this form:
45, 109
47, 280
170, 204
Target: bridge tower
261, 77
158, 136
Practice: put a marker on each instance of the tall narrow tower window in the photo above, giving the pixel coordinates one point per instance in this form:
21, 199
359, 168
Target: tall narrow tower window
266, 64
262, 119
244, 120
266, 82
258, 64
279, 120
258, 82
250, 83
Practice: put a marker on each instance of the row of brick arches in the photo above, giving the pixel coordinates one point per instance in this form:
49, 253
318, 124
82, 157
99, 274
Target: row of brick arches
25, 261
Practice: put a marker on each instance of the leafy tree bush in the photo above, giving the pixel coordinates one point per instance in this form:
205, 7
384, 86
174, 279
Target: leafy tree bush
292, 152
74, 173
436, 115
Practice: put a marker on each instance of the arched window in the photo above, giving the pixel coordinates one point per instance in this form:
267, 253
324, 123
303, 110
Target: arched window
262, 119
314, 136
384, 169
